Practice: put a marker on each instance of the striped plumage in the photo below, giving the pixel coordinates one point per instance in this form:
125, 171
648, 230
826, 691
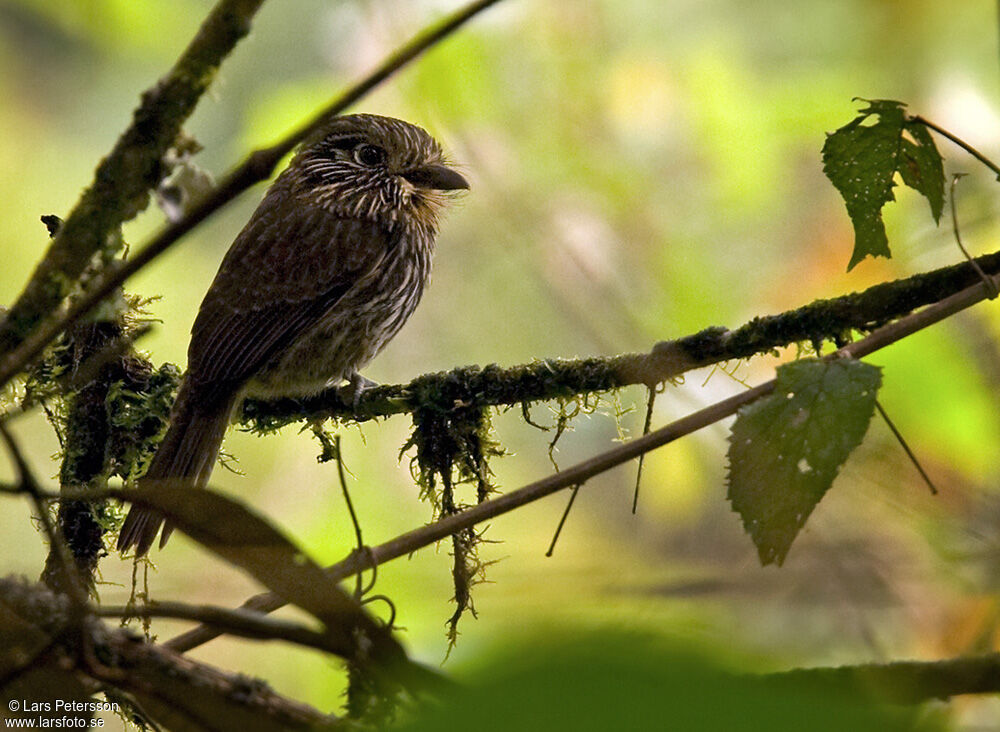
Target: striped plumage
325, 273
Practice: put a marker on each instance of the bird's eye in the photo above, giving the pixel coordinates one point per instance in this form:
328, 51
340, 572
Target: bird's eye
369, 155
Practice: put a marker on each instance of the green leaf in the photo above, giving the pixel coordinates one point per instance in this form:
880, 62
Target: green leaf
921, 167
862, 158
605, 679
786, 449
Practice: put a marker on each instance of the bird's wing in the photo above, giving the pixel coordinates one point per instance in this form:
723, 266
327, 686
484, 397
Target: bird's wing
281, 275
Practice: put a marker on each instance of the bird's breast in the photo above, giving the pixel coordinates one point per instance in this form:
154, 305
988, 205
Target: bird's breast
355, 328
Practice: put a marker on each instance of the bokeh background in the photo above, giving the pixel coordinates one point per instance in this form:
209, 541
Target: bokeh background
640, 170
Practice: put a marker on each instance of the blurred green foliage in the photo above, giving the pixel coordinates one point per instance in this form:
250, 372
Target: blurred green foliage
640, 171
615, 681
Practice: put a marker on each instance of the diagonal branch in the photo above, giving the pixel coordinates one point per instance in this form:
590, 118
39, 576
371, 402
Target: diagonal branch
123, 179
580, 473
258, 166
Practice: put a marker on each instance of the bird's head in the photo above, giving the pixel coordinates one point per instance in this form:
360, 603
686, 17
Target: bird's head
366, 166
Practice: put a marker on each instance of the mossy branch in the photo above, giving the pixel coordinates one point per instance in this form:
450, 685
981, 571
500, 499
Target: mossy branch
822, 320
123, 179
85, 454
44, 657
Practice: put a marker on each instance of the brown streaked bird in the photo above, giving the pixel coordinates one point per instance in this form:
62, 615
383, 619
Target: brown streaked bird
329, 267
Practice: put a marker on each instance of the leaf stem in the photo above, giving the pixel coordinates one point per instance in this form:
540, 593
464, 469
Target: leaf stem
958, 141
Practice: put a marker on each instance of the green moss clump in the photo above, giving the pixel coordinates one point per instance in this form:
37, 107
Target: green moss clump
138, 409
452, 438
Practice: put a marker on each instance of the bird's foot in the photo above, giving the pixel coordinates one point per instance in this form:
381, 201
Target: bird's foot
350, 393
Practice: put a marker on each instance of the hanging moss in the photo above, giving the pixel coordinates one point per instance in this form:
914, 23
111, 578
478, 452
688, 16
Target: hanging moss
452, 435
453, 442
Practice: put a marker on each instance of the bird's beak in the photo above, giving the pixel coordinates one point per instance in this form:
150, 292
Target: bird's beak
436, 177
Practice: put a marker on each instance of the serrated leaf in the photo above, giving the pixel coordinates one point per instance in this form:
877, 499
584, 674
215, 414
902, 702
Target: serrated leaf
921, 167
861, 160
786, 449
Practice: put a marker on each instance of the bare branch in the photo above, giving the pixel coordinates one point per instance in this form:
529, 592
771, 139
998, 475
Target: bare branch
957, 231
906, 448
562, 520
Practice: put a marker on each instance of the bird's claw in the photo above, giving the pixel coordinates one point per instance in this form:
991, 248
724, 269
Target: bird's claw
350, 393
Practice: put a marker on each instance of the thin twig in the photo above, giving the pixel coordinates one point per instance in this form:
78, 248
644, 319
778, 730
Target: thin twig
427, 38
73, 584
391, 622
350, 508
906, 448
562, 521
958, 237
347, 495
651, 400
258, 166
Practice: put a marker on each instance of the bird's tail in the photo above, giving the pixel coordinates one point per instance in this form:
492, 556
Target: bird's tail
187, 454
